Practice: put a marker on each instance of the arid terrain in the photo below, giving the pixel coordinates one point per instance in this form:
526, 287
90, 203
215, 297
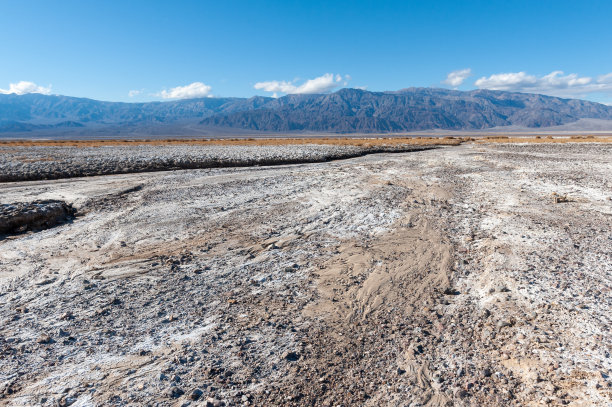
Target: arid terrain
477, 274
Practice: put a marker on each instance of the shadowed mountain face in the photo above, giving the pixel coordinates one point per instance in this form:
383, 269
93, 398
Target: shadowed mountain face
352, 110
346, 111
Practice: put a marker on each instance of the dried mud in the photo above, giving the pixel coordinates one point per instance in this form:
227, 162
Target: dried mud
439, 277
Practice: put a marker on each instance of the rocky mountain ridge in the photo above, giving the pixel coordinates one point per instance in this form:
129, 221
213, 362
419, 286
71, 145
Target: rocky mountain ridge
344, 111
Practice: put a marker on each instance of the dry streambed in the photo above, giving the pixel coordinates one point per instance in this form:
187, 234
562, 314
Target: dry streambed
441, 277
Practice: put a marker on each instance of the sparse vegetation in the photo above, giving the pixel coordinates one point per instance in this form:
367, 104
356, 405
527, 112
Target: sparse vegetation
547, 139
338, 141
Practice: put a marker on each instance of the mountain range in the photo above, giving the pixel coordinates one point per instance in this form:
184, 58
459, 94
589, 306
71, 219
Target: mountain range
344, 111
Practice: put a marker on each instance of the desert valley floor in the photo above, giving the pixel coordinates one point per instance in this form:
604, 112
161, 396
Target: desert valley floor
470, 275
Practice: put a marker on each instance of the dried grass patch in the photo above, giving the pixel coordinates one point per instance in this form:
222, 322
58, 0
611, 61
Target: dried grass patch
545, 139
344, 141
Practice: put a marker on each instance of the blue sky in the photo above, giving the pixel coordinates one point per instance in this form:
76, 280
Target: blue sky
153, 50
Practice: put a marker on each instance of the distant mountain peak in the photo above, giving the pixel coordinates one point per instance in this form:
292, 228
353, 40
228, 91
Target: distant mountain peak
346, 111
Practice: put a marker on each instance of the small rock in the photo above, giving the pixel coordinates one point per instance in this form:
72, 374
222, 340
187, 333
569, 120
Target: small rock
291, 356
44, 339
451, 291
461, 393
502, 324
174, 392
212, 402
67, 315
196, 394
45, 281
170, 318
66, 401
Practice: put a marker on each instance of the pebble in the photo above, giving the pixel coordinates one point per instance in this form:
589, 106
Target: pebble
196, 394
212, 402
502, 288
44, 339
291, 356
67, 315
502, 323
174, 392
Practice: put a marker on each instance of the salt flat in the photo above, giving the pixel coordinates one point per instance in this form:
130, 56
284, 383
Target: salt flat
438, 277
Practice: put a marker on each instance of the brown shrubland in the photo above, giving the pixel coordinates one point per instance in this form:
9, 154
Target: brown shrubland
352, 141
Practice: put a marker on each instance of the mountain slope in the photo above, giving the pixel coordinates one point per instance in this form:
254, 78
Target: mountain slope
346, 111
353, 110
38, 108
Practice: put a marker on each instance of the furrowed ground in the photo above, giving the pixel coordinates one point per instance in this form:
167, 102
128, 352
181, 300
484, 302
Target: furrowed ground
472, 274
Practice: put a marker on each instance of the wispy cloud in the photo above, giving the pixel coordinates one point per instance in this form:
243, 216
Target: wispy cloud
23, 87
322, 84
134, 93
555, 83
456, 78
193, 90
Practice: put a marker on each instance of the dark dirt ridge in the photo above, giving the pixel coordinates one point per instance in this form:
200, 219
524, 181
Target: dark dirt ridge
55, 166
19, 217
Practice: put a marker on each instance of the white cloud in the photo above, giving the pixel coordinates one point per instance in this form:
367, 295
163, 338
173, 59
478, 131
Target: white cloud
555, 83
607, 78
322, 84
23, 87
276, 86
456, 78
134, 93
194, 90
